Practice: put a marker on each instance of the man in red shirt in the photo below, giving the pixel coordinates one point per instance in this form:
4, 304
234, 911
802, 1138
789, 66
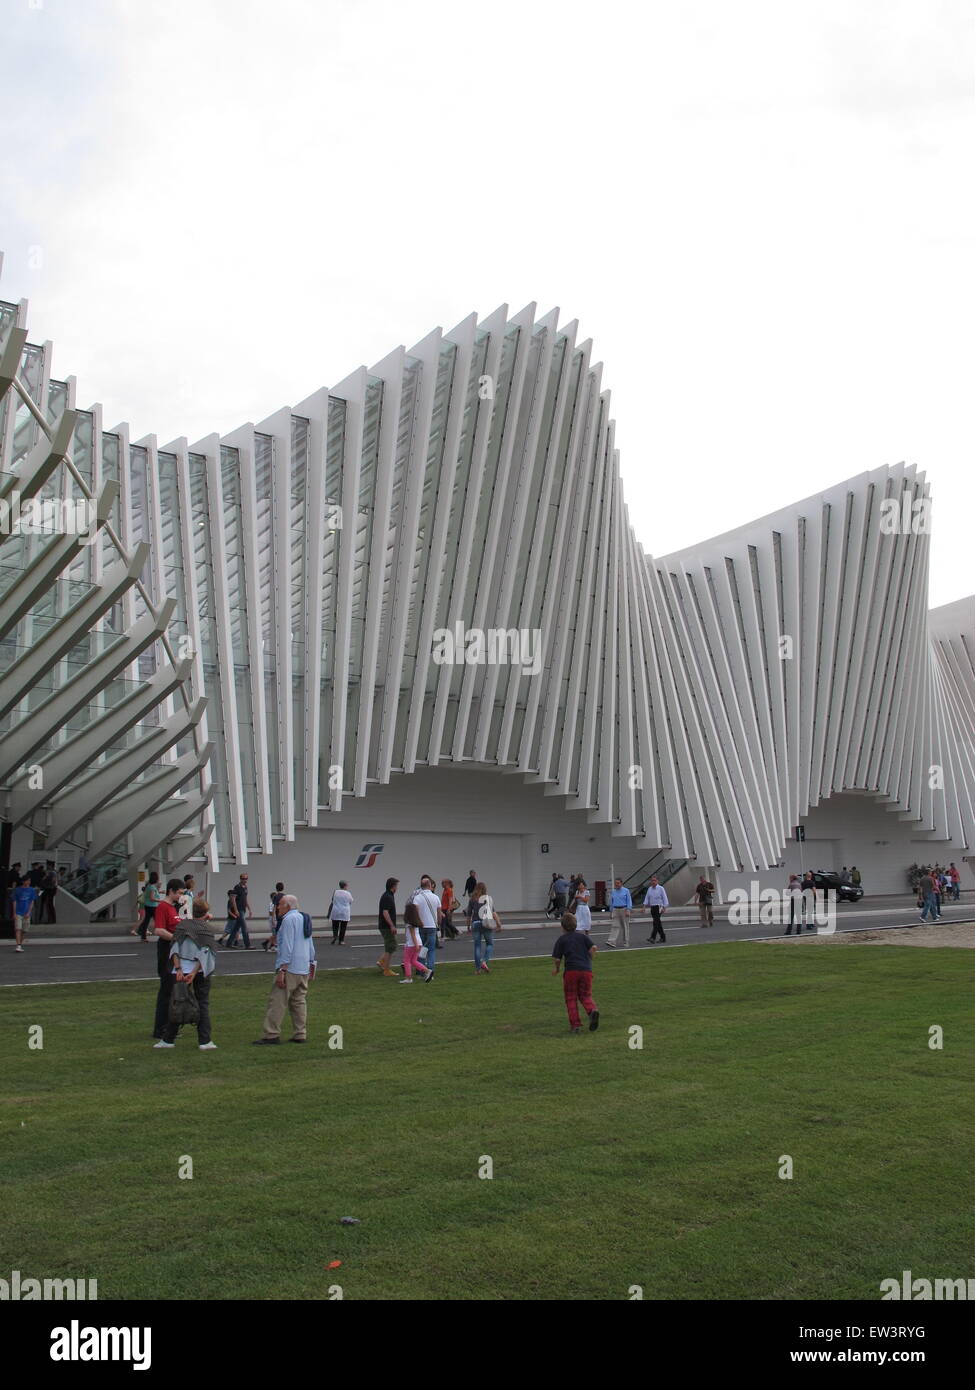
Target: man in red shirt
164, 924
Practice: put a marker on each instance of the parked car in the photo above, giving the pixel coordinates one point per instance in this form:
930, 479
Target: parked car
845, 892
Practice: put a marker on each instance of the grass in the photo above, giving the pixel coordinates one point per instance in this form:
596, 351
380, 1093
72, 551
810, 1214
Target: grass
612, 1166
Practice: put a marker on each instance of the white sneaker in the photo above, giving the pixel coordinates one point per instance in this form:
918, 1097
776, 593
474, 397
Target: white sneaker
163, 1044
18, 948
208, 1047
406, 982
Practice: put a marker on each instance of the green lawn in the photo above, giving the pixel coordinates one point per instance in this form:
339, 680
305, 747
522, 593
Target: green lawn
612, 1166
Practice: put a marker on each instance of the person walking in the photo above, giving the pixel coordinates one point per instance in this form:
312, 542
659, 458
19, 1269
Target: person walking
340, 911
24, 897
294, 970
470, 911
164, 925
412, 944
657, 901
238, 922
485, 920
448, 904
431, 915
550, 905
926, 898
573, 950
193, 962
621, 905
560, 887
704, 893
49, 892
148, 902
471, 884
579, 906
272, 916
855, 877
387, 927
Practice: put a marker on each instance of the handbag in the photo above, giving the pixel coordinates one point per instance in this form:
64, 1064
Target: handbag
183, 1004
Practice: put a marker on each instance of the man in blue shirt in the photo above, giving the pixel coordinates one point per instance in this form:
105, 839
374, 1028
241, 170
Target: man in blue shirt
295, 967
560, 886
24, 896
657, 901
622, 905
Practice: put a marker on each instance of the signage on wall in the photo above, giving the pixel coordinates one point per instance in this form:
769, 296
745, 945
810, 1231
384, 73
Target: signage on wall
368, 856
545, 849
800, 833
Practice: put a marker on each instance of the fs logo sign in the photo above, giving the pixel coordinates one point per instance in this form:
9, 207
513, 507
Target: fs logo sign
368, 857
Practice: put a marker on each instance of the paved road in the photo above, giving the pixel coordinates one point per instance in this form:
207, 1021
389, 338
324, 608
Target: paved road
121, 957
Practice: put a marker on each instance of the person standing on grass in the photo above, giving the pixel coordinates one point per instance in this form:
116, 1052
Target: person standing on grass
340, 911
657, 901
485, 920
387, 926
193, 962
412, 946
621, 903
24, 897
164, 925
705, 897
431, 915
574, 950
579, 906
295, 969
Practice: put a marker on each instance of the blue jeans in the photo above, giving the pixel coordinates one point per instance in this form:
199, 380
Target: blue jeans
929, 906
238, 924
483, 945
428, 938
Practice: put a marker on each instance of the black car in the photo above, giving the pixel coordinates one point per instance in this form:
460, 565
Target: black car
845, 891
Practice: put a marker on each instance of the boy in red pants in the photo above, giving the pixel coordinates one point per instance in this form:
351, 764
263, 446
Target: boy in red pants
575, 949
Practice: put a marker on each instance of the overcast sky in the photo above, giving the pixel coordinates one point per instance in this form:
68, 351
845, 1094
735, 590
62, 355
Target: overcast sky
763, 214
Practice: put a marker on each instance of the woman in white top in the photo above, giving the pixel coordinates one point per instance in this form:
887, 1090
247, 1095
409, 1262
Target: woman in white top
580, 907
485, 919
340, 912
412, 926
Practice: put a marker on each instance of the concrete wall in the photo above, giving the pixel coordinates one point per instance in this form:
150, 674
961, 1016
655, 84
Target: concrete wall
442, 821
858, 829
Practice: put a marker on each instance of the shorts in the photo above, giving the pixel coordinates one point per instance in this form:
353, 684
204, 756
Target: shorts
21, 923
389, 940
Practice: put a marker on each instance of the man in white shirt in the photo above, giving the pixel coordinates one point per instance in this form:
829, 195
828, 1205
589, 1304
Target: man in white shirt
657, 901
431, 915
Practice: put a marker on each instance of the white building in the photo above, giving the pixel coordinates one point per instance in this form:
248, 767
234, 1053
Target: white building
420, 619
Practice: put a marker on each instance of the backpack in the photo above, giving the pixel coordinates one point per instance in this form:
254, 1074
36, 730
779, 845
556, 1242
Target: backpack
183, 1004
307, 922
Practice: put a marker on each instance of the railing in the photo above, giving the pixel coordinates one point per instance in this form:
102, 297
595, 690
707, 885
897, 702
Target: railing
663, 873
108, 871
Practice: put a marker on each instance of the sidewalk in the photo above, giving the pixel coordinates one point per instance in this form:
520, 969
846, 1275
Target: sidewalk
108, 933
